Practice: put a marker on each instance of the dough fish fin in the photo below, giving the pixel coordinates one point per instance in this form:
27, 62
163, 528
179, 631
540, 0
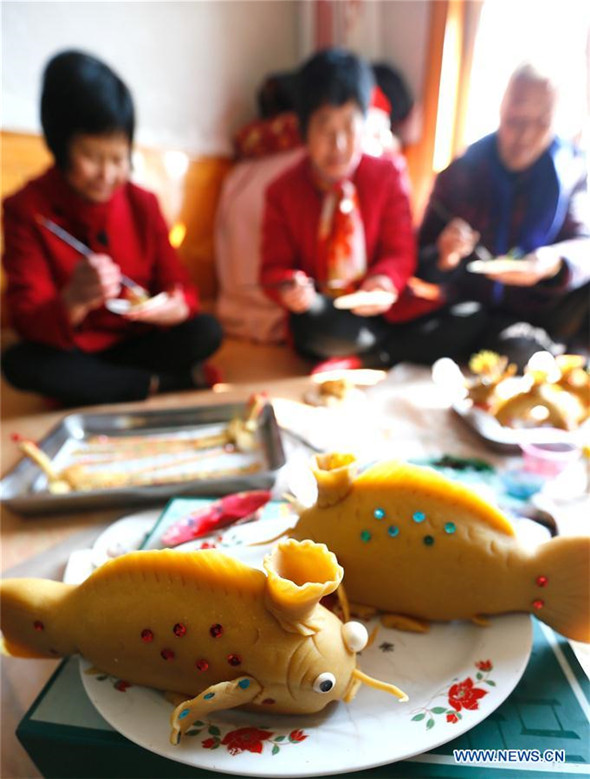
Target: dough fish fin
561, 586
224, 695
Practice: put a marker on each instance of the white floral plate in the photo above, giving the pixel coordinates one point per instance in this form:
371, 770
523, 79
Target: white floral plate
455, 675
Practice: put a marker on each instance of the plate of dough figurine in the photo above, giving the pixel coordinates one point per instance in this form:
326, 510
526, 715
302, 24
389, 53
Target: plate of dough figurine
230, 660
454, 676
549, 403
333, 393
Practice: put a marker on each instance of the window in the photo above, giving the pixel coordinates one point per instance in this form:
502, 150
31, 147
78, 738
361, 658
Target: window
555, 35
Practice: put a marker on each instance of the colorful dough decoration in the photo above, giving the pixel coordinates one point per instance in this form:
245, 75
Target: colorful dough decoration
559, 397
419, 547
489, 370
552, 391
214, 631
333, 393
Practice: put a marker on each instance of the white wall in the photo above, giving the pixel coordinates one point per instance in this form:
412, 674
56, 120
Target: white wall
394, 31
404, 37
193, 67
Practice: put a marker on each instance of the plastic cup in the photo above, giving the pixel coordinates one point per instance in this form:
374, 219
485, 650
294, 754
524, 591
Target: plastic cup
551, 457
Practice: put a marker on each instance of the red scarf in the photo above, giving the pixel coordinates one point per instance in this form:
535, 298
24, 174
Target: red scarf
342, 253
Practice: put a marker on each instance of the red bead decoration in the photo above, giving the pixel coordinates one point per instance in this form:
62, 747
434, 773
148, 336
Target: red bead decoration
542, 581
538, 604
38, 625
147, 635
216, 630
234, 659
202, 665
269, 701
179, 629
167, 654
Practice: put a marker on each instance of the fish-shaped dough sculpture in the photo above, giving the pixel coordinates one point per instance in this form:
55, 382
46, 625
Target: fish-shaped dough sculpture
203, 625
419, 547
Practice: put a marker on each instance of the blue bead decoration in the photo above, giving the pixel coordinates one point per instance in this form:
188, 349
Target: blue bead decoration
184, 713
428, 540
244, 683
393, 531
450, 528
419, 516
208, 695
379, 513
366, 536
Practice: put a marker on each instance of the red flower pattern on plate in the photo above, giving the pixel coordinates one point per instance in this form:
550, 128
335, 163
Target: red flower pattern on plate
248, 739
245, 739
297, 736
461, 696
119, 684
465, 695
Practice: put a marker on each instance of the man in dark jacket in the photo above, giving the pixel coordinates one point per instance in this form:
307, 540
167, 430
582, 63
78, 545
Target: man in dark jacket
520, 192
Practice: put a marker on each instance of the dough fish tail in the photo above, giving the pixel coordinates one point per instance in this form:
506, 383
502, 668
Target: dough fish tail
30, 618
560, 576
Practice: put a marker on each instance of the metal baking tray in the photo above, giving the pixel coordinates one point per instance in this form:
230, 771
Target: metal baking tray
510, 439
24, 488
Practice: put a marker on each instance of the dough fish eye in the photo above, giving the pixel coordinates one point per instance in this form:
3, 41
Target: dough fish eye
355, 636
324, 682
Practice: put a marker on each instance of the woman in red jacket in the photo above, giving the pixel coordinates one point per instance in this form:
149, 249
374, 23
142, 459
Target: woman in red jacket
340, 221
75, 349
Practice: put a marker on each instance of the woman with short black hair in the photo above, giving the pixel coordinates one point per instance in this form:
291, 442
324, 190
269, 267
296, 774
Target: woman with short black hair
339, 222
80, 94
75, 348
333, 77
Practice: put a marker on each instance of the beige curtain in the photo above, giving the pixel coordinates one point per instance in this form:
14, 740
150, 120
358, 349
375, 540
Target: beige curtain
470, 13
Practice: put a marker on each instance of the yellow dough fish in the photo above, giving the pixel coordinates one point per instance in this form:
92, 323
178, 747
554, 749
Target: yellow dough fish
419, 547
220, 633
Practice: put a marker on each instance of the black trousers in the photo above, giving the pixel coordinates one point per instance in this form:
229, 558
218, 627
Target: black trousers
325, 331
122, 373
456, 331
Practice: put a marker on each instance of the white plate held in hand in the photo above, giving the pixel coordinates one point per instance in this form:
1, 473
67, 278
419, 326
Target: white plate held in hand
375, 297
124, 306
497, 266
